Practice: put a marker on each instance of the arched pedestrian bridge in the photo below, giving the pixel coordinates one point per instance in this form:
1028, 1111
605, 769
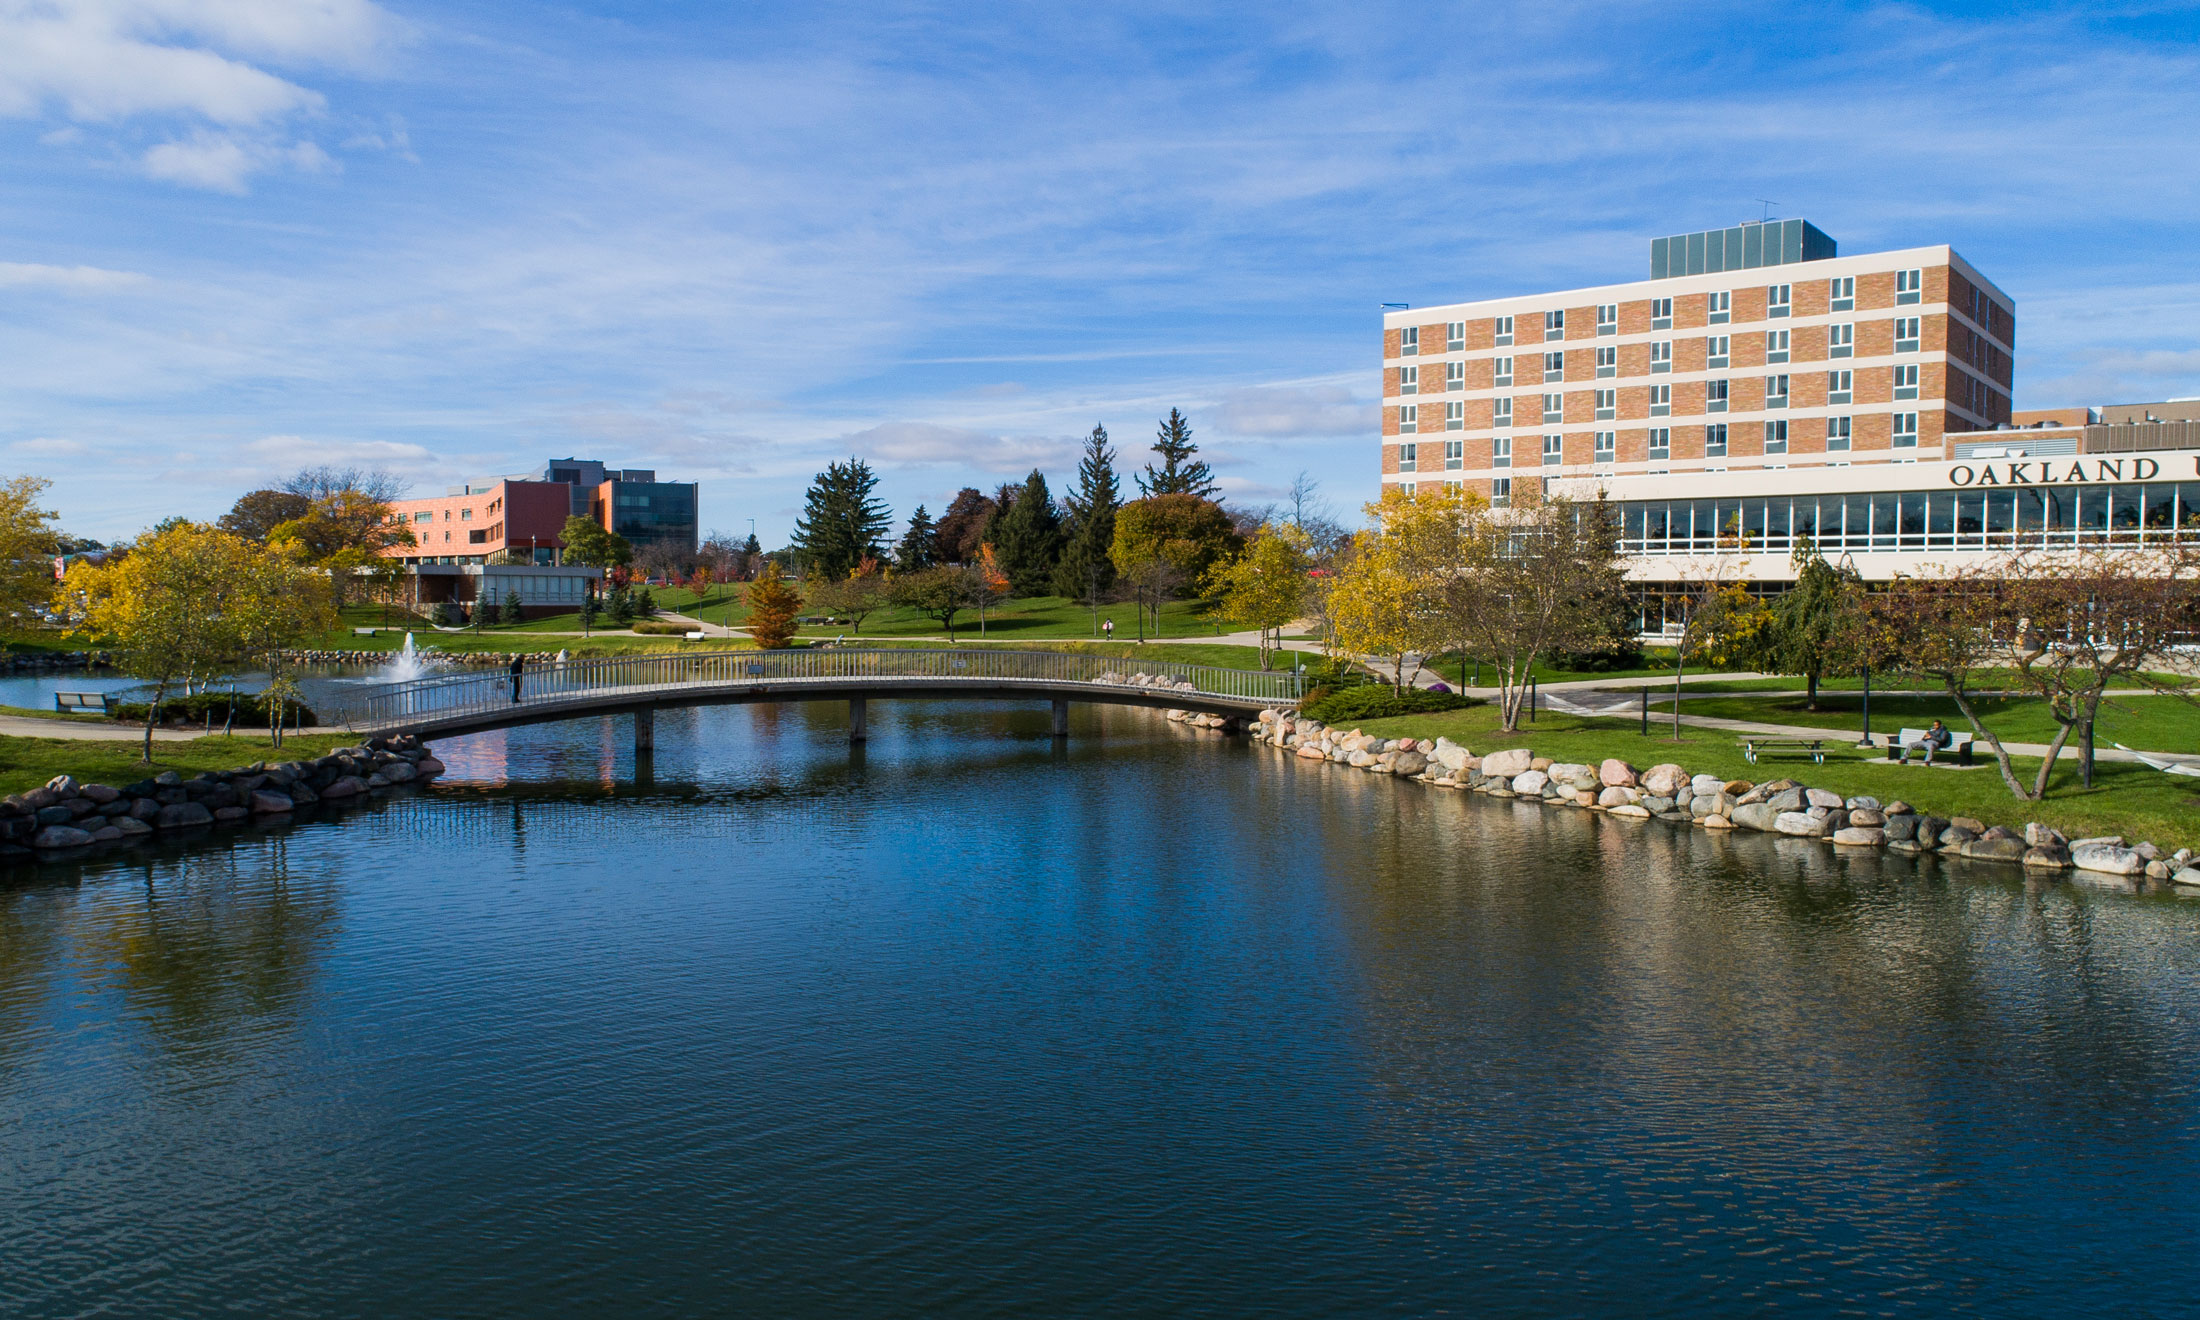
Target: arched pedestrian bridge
476, 700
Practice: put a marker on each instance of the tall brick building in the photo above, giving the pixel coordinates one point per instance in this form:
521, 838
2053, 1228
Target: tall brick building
1747, 348
1759, 389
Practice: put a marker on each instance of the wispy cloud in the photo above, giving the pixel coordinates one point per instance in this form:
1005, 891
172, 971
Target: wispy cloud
81, 279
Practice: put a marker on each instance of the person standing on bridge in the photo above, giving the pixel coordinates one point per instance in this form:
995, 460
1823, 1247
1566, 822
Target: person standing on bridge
518, 663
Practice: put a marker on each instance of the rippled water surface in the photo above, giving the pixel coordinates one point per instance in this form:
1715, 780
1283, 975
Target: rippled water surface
1156, 1023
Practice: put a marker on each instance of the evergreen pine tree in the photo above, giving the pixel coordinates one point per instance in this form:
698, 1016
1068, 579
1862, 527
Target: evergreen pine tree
841, 523
919, 548
514, 611
1086, 570
1180, 473
1028, 538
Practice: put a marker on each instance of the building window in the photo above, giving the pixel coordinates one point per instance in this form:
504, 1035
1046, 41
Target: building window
1608, 361
1837, 435
1841, 294
1661, 356
1661, 443
1841, 340
1840, 386
424, 516
465, 515
1455, 376
1409, 380
1909, 286
1905, 430
1607, 405
1661, 400
1776, 391
1607, 318
1501, 451
1776, 437
1721, 307
1501, 492
1607, 445
1554, 450
1906, 334
1905, 380
1554, 325
1455, 455
1504, 331
1455, 417
1409, 341
1715, 395
1779, 299
1714, 440
1661, 313
1504, 367
1408, 457
1501, 412
1718, 350
446, 515
1554, 407
1409, 419
1554, 366
1776, 345
1455, 336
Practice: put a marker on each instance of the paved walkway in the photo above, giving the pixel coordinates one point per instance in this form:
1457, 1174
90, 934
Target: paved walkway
92, 729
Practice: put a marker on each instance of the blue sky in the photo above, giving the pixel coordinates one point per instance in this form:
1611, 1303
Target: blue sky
732, 242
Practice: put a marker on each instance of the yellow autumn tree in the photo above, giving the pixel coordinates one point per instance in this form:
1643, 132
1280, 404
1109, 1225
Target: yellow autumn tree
1388, 599
1266, 587
27, 541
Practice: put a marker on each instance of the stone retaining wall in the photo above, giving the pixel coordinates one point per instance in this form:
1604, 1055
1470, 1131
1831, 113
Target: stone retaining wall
66, 818
1671, 793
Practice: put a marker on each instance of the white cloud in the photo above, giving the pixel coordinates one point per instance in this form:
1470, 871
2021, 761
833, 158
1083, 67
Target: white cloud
926, 444
84, 279
1283, 411
104, 62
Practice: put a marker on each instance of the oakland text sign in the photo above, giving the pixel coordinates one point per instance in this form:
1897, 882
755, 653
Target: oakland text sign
2057, 471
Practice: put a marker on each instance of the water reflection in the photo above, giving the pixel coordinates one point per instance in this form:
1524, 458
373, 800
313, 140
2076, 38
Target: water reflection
967, 1020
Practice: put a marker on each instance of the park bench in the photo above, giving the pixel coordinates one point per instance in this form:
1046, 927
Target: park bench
1754, 746
1959, 745
80, 701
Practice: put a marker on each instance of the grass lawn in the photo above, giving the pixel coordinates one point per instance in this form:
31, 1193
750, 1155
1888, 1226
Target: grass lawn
26, 763
1446, 666
1021, 618
2162, 724
2130, 800
38, 641
45, 713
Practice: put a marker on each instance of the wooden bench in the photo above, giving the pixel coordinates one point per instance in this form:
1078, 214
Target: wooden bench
1958, 743
1753, 747
81, 701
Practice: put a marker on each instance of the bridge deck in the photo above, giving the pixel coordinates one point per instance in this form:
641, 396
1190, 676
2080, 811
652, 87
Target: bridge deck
470, 702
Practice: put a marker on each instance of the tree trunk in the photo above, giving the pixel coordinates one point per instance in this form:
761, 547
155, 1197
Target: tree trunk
152, 716
1680, 667
1811, 703
2001, 754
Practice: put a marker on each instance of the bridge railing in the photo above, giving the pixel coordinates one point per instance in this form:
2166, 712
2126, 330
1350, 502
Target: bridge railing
576, 681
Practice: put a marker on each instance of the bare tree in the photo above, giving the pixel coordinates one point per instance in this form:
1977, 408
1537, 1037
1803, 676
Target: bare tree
318, 483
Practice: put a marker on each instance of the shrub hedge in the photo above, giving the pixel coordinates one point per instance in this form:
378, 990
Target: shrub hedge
251, 710
1372, 702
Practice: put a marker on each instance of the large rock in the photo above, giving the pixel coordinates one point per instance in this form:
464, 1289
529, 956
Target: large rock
61, 836
1574, 775
1801, 824
183, 815
100, 793
1860, 836
1758, 816
345, 786
1616, 774
1615, 796
1506, 764
1706, 786
1819, 797
1866, 817
54, 815
1993, 850
129, 825
2190, 876
1451, 755
1862, 802
1408, 763
1630, 812
1665, 780
1529, 783
1312, 752
1785, 799
2046, 859
2107, 859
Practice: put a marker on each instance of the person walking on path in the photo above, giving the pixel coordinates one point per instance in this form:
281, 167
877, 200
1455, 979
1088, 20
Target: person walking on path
518, 664
1935, 738
1107, 626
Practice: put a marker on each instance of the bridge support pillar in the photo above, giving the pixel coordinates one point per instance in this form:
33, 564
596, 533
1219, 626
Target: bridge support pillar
1061, 717
645, 729
858, 720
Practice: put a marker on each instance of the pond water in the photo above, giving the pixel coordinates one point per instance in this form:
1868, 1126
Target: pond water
970, 1023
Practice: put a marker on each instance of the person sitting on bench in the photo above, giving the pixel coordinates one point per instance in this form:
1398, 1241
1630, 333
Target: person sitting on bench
1935, 738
